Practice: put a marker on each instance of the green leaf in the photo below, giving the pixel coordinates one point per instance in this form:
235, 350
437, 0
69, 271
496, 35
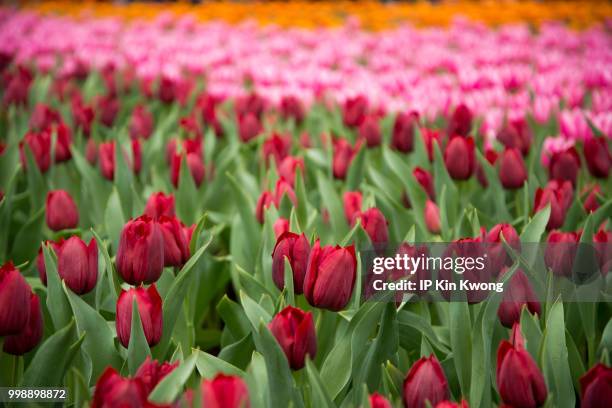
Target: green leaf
113, 279
318, 395
168, 389
238, 353
332, 202
114, 218
300, 192
186, 202
27, 241
355, 173
254, 311
209, 366
288, 280
123, 180
234, 317
138, 347
499, 198
461, 342
57, 303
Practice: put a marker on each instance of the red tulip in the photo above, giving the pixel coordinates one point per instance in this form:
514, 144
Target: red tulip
14, 300
450, 404
83, 116
188, 231
291, 107
195, 165
107, 108
564, 165
150, 373
430, 137
519, 380
378, 401
352, 205
602, 242
296, 249
112, 390
17, 87
40, 259
375, 225
150, 311
330, 276
263, 202
249, 127
343, 155
460, 122
459, 157
402, 138
597, 156
91, 152
63, 140
250, 104
141, 123
140, 255
276, 146
295, 332
207, 104
491, 156
77, 264
518, 292
281, 225
560, 252
176, 247
512, 171
596, 387
43, 117
225, 391
61, 211
160, 204
369, 130
191, 126
167, 90
288, 168
30, 336
591, 202
425, 382
187, 146
425, 179
498, 257
516, 135
354, 111
106, 155
559, 195
39, 145
432, 217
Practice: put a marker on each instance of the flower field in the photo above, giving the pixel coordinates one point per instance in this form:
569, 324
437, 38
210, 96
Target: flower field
198, 212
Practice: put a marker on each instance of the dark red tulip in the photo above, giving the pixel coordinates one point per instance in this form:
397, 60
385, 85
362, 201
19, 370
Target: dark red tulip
187, 146
282, 189
491, 156
354, 111
263, 202
188, 231
375, 225
296, 249
295, 332
40, 259
167, 90
432, 217
596, 387
225, 391
451, 404
176, 247
112, 390
14, 300
195, 165
425, 179
591, 201
249, 127
519, 380
402, 138
191, 126
141, 123
151, 372
460, 123
43, 117
160, 204
512, 171
369, 130
597, 156
330, 276
207, 104
378, 401
517, 293
497, 254
77, 264
106, 157
560, 252
91, 152
565, 165
602, 242
288, 168
83, 116
150, 311
291, 107
431, 136
63, 140
61, 211
516, 134
459, 157
39, 145
30, 336
352, 205
343, 155
17, 87
140, 255
107, 108
559, 195
277, 147
281, 225
250, 104
425, 382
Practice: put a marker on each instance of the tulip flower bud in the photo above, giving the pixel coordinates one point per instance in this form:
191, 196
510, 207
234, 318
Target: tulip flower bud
591, 202
63, 139
343, 155
519, 380
516, 135
460, 122
30, 336
564, 165
77, 264
150, 311
151, 373
141, 123
225, 391
425, 179
288, 168
140, 255
296, 249
276, 146
450, 404
106, 157
195, 165
559, 195
249, 127
459, 157
17, 87
291, 107
295, 332
107, 108
112, 390
83, 116
378, 401
518, 292
512, 171
91, 152
425, 382
330, 276
432, 217
40, 259
498, 256
61, 211
596, 386
352, 205
187, 145
376, 226
176, 247
402, 138
430, 137
281, 225
39, 145
14, 300
369, 130
160, 204
354, 111
597, 156
560, 252
263, 202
